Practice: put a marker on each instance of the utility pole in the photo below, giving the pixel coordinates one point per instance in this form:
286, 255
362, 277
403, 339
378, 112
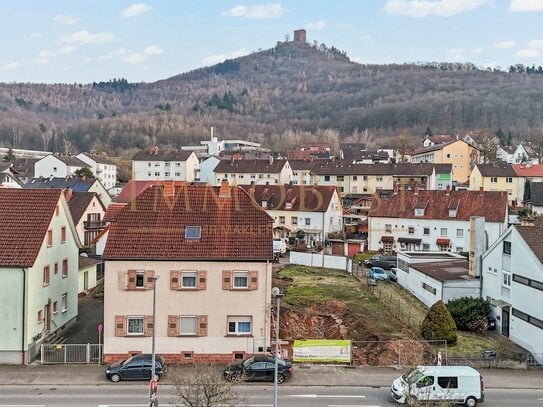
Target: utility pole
153, 398
277, 294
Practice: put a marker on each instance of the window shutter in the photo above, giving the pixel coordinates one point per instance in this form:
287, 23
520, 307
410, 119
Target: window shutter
202, 325
202, 279
227, 279
149, 274
253, 282
120, 325
148, 325
131, 285
172, 325
174, 280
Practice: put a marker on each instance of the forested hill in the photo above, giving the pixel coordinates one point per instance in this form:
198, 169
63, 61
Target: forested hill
276, 97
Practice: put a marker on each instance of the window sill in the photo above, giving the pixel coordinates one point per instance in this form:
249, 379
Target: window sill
46, 284
238, 335
65, 276
64, 310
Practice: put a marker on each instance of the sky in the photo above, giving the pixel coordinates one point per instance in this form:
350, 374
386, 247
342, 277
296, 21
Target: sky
81, 41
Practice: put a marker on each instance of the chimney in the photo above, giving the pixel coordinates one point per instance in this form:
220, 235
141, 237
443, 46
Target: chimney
68, 193
224, 189
448, 190
169, 188
211, 133
416, 192
481, 191
477, 244
396, 188
271, 159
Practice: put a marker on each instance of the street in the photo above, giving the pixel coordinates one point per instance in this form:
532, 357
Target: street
135, 395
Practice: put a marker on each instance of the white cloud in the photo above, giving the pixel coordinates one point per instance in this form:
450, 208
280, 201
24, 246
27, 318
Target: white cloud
133, 58
456, 54
424, 8
35, 35
85, 37
535, 44
477, 50
67, 49
215, 59
526, 6
65, 20
258, 11
505, 44
135, 10
11, 66
45, 55
528, 53
316, 25
152, 50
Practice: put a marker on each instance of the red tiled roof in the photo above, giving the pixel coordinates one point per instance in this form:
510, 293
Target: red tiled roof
490, 204
133, 188
153, 226
315, 198
523, 170
112, 210
250, 166
26, 215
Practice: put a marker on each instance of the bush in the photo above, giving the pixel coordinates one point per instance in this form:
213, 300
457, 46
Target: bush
468, 313
439, 324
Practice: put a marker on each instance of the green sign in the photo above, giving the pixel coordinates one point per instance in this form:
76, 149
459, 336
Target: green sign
322, 350
444, 177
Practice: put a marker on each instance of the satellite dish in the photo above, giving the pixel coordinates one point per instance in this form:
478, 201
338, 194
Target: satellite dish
276, 291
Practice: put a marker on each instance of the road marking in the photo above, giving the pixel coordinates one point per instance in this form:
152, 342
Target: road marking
329, 396
22, 405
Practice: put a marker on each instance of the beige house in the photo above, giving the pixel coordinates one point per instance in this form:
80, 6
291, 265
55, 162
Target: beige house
211, 248
247, 172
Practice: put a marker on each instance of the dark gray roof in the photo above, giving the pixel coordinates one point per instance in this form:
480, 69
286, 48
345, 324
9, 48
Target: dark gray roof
100, 159
532, 236
404, 169
76, 184
496, 170
250, 166
162, 155
537, 193
445, 270
69, 160
304, 164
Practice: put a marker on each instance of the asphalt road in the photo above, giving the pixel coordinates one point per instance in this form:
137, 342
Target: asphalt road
136, 395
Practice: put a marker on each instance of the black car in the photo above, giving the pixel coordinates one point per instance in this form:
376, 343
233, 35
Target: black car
258, 368
137, 367
385, 262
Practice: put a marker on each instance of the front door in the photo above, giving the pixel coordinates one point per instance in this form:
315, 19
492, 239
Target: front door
505, 321
86, 280
47, 316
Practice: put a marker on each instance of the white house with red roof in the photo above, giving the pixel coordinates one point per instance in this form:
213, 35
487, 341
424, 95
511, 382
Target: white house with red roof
39, 255
212, 248
433, 220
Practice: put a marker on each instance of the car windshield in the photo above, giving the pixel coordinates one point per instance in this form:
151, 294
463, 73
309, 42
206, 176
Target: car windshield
248, 362
124, 362
414, 376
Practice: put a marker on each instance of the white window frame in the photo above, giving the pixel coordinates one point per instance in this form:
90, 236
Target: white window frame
189, 273
459, 232
187, 317
441, 231
140, 273
506, 278
64, 302
240, 274
193, 228
237, 321
135, 317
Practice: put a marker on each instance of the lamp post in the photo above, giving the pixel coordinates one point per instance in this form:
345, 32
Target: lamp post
153, 398
277, 294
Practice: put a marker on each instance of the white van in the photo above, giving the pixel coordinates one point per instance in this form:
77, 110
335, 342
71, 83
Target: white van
456, 384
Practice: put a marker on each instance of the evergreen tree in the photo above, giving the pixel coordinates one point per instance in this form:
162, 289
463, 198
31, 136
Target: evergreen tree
439, 324
527, 191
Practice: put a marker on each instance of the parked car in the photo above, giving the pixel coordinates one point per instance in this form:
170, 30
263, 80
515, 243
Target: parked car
137, 367
377, 273
258, 368
385, 262
392, 274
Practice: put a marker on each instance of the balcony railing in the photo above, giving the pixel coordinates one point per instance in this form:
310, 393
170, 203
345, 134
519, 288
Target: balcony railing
94, 224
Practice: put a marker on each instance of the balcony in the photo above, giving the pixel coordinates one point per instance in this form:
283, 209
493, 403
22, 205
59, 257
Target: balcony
94, 224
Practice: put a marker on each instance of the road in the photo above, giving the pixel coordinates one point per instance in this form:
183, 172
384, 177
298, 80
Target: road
135, 395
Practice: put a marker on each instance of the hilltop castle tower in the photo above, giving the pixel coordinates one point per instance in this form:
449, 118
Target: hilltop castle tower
300, 36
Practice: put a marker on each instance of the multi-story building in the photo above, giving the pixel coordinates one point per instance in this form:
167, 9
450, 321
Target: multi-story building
527, 174
512, 270
260, 172
212, 248
165, 165
433, 220
39, 253
301, 171
103, 169
57, 166
460, 154
496, 177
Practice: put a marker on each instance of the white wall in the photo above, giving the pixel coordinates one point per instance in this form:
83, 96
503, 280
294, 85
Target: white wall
166, 170
321, 260
206, 170
50, 166
91, 278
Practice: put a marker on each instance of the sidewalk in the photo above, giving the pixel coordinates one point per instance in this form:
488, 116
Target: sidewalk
303, 376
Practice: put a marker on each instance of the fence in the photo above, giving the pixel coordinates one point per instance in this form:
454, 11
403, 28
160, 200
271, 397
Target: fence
71, 353
398, 353
322, 260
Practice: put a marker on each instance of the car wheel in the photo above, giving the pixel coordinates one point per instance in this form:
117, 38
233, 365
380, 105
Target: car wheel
236, 377
471, 402
115, 378
280, 378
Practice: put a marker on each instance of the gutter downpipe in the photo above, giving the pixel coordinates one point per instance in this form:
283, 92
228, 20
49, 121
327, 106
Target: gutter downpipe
23, 355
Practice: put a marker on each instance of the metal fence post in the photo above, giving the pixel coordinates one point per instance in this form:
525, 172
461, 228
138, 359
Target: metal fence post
41, 353
399, 354
88, 353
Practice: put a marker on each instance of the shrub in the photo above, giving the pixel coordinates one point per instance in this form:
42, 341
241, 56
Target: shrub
439, 324
468, 313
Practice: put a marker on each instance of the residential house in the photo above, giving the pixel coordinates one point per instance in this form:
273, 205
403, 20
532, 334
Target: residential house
207, 166
58, 166
154, 164
308, 213
24, 169
39, 251
537, 197
433, 220
87, 214
314, 151
87, 276
436, 276
8, 176
496, 177
368, 178
301, 171
75, 184
512, 270
212, 248
103, 168
527, 174
430, 141
518, 154
460, 154
246, 172
357, 153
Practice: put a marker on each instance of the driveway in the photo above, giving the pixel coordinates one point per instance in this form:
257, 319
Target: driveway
90, 315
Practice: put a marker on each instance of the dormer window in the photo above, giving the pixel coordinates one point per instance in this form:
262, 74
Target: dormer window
193, 232
452, 213
288, 205
264, 204
419, 211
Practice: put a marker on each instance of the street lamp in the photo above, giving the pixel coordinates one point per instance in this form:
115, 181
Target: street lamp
277, 294
153, 399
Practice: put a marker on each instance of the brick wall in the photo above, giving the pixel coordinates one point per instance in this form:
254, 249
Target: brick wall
184, 357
